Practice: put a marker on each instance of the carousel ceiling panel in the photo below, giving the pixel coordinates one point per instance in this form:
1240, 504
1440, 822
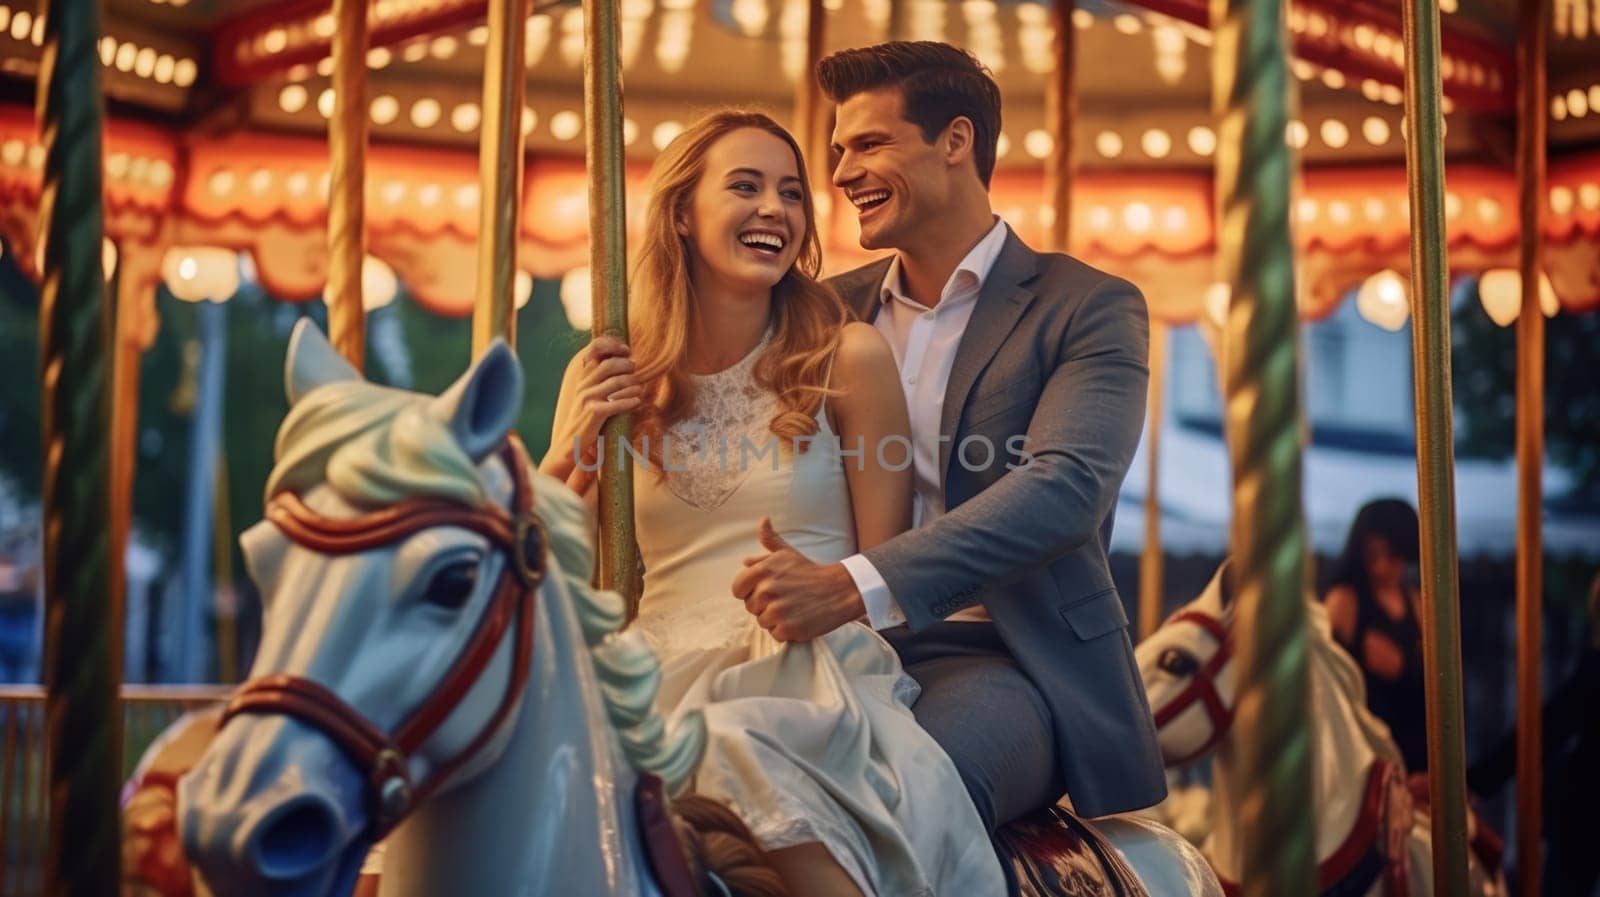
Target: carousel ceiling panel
193, 17
142, 64
1574, 45
1144, 79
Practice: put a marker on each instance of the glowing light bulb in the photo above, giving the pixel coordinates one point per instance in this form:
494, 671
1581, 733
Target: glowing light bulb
1382, 300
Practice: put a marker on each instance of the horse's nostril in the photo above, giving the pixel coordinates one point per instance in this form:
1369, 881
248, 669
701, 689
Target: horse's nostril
298, 839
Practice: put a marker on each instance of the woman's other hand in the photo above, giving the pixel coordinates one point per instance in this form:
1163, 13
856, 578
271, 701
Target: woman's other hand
599, 384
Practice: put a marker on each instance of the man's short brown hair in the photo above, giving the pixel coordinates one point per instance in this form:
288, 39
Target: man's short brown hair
938, 82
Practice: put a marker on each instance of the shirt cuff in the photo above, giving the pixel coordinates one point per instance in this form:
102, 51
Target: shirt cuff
882, 611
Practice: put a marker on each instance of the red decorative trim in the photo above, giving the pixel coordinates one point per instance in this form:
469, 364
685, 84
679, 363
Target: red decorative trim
1203, 686
1357, 843
661, 846
1485, 842
1329, 48
237, 65
156, 779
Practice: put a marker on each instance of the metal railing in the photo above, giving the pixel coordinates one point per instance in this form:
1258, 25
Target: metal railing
24, 804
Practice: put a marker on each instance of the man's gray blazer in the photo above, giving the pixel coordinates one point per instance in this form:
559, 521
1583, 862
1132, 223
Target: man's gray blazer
1055, 352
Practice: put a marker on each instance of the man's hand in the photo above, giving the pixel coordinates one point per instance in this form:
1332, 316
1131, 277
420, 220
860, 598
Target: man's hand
792, 597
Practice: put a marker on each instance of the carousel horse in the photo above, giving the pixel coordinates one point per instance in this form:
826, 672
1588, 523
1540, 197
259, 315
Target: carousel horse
1371, 838
436, 671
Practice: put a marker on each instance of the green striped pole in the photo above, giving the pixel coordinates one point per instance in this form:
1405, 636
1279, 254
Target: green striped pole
1262, 381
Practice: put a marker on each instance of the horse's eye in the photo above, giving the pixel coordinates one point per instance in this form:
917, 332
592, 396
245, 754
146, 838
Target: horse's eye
1178, 663
452, 585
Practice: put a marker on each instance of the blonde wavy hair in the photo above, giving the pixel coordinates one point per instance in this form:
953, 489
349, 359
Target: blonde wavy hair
808, 317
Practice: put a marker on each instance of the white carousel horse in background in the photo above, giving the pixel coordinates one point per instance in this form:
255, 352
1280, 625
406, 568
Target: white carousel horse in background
1187, 807
421, 677
1370, 839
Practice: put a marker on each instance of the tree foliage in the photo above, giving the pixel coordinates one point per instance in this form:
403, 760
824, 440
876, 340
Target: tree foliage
407, 346
1483, 360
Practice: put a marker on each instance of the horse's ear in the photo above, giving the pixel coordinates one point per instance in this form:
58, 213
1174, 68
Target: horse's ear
482, 406
312, 362
1225, 583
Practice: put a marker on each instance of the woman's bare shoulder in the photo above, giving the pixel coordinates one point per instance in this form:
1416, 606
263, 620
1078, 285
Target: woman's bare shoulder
865, 379
862, 351
1341, 603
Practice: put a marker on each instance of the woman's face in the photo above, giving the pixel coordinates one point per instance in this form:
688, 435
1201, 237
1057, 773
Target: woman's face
1384, 565
745, 221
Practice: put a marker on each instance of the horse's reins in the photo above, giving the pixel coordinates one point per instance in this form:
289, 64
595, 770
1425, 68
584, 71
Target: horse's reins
1202, 686
383, 757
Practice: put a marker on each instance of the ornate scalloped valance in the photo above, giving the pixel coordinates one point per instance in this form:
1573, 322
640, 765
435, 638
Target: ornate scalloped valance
266, 193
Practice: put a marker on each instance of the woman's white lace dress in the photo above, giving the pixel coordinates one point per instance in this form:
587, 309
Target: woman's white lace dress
812, 741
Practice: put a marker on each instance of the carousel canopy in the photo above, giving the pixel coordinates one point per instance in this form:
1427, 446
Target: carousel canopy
216, 133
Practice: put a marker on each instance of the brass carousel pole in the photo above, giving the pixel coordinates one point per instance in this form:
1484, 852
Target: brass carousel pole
82, 626
1061, 171
812, 117
1060, 115
1530, 441
1430, 352
1261, 374
500, 175
608, 249
126, 316
347, 146
1151, 574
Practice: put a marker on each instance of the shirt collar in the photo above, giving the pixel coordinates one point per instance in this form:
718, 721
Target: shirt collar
973, 269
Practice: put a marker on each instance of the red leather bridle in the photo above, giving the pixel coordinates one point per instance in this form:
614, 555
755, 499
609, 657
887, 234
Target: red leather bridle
1202, 685
383, 757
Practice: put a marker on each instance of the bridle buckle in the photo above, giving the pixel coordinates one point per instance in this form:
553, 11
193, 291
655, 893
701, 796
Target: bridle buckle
528, 540
391, 787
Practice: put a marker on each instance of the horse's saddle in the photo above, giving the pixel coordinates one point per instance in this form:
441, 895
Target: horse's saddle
674, 873
1053, 853
1050, 853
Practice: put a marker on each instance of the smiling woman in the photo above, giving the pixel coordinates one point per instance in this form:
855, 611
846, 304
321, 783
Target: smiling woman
730, 234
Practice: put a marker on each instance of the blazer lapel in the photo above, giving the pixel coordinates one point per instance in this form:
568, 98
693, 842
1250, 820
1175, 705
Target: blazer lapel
862, 289
1000, 305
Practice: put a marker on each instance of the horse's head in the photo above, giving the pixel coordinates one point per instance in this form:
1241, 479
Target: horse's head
1188, 675
398, 563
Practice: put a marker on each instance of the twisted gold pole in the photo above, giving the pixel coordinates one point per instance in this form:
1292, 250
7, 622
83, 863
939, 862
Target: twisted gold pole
608, 249
1060, 113
1430, 348
500, 175
83, 619
1261, 375
1532, 16
347, 146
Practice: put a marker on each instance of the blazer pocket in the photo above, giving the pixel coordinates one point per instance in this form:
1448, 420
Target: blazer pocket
1095, 615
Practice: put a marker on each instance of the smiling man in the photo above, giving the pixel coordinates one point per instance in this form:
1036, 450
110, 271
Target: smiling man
1025, 375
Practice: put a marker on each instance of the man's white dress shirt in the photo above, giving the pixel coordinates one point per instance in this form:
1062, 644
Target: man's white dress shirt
924, 341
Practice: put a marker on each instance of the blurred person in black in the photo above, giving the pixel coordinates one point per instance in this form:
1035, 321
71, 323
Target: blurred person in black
1372, 606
